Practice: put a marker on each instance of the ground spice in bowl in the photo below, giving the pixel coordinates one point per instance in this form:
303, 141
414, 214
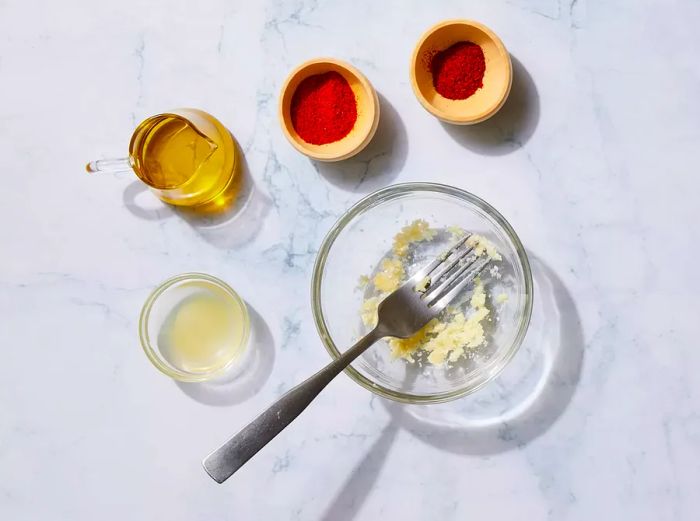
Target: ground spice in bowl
323, 108
458, 71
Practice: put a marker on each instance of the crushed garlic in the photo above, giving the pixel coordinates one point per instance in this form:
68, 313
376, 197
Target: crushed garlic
390, 277
461, 331
422, 285
418, 230
482, 245
362, 282
449, 339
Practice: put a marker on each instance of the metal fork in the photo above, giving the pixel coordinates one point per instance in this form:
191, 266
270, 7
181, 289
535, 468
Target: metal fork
401, 314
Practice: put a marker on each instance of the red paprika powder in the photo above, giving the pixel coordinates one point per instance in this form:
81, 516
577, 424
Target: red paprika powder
458, 71
323, 108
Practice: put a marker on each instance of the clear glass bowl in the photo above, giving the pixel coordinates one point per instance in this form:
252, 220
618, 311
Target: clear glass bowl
364, 235
166, 310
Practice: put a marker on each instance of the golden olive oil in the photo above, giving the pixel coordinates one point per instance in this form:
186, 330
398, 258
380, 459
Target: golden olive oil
187, 157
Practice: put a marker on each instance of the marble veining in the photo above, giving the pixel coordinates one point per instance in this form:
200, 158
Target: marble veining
591, 160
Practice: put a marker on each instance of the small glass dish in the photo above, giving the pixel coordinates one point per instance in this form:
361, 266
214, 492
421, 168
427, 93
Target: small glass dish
175, 340
364, 235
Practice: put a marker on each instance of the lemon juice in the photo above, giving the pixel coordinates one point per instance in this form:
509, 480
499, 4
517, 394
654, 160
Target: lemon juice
205, 330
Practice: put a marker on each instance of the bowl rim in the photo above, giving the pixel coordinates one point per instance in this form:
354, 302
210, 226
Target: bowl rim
367, 203
445, 116
366, 86
144, 337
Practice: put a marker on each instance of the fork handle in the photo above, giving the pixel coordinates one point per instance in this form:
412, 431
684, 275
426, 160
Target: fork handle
233, 454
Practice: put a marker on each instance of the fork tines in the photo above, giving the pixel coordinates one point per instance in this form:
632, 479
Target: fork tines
450, 273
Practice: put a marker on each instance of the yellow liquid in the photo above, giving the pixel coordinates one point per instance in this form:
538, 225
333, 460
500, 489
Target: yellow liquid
205, 331
187, 157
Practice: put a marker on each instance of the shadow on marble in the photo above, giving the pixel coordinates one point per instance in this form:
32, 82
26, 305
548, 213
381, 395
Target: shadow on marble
528, 397
354, 492
378, 164
238, 219
244, 380
233, 222
511, 127
147, 207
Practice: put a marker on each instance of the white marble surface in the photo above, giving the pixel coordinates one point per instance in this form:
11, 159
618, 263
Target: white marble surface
592, 160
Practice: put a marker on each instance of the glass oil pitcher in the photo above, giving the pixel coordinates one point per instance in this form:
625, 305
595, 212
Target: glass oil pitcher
186, 156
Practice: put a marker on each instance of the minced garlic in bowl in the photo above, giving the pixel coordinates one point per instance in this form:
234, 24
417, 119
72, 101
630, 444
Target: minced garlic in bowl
379, 244
460, 330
